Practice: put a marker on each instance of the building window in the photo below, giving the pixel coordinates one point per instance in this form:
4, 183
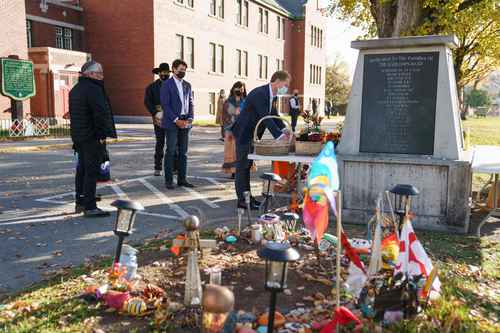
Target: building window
190, 3
312, 35
211, 103
266, 21
245, 63
221, 9
68, 39
213, 7
245, 14
261, 20
262, 67
283, 28
239, 58
179, 46
220, 55
212, 58
59, 38
280, 64
321, 38
29, 32
190, 52
242, 12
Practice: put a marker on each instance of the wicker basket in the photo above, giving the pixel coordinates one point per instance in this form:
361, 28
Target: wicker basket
308, 148
271, 147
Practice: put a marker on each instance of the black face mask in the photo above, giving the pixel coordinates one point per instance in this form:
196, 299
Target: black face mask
181, 75
164, 77
237, 92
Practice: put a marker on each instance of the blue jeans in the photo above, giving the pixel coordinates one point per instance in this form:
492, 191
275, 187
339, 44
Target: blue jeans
176, 138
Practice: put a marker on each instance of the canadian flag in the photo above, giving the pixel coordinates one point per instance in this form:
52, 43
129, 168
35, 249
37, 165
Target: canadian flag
412, 259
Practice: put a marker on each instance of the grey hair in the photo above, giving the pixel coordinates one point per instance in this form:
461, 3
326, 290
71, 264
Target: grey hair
91, 66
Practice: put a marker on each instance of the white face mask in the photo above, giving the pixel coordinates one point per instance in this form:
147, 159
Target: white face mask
282, 90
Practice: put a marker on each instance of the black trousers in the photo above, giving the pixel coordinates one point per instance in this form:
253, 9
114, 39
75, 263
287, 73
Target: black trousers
159, 147
89, 160
243, 167
295, 115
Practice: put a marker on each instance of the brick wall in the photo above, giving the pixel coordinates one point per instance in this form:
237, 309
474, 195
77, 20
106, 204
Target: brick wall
44, 34
13, 39
119, 35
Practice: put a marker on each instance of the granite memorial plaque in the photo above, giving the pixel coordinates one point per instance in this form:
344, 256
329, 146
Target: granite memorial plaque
399, 103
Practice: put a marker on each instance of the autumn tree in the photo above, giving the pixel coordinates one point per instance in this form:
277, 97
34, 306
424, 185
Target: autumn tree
337, 85
476, 23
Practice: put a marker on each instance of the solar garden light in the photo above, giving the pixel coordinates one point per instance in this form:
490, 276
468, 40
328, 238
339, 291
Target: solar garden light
217, 302
277, 256
402, 199
127, 211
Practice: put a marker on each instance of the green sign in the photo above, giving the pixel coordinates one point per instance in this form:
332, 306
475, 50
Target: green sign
18, 81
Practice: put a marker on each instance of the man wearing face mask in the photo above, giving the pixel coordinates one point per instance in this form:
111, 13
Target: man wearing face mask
294, 108
91, 123
153, 104
258, 104
177, 103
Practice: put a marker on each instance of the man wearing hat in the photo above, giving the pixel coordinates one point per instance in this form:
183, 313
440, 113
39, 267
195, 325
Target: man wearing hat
91, 123
153, 104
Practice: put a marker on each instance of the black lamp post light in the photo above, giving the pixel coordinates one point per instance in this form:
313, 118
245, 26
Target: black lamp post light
125, 217
277, 256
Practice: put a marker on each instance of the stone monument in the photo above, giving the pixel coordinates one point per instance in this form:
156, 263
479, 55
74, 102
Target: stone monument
403, 127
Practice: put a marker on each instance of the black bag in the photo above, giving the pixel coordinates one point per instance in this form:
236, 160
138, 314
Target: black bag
105, 165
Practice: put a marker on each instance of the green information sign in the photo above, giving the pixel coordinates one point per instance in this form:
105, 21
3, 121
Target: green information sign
18, 81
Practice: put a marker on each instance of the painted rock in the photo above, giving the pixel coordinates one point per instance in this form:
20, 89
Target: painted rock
135, 306
262, 329
279, 319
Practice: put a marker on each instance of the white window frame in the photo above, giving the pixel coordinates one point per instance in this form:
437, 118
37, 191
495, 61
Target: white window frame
68, 38
59, 31
213, 57
189, 56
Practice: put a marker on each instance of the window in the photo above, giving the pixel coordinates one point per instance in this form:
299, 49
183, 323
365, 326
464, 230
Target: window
68, 39
239, 10
239, 58
320, 72
245, 63
221, 9
278, 64
59, 38
212, 58
265, 67
282, 65
179, 46
245, 14
266, 21
220, 56
28, 31
190, 3
280, 28
261, 69
312, 35
211, 103
261, 20
321, 38
184, 49
190, 52
213, 7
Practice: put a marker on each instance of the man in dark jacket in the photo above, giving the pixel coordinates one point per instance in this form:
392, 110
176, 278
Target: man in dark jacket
153, 104
258, 104
91, 123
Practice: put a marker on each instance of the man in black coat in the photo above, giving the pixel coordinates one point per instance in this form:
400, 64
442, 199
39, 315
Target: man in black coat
258, 104
91, 123
153, 104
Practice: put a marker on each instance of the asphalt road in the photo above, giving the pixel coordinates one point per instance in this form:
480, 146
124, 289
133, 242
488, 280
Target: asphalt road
39, 234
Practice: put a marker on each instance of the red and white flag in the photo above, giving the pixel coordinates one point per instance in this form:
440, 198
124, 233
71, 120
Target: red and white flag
412, 259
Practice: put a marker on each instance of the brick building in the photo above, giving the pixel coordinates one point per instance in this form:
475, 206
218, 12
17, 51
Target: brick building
221, 40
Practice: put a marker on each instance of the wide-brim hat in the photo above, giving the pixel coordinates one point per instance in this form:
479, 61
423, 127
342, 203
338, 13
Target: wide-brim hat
163, 67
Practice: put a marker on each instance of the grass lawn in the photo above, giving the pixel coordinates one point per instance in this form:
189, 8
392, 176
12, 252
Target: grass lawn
468, 270
483, 131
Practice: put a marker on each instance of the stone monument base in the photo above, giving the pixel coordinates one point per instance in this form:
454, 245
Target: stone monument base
443, 203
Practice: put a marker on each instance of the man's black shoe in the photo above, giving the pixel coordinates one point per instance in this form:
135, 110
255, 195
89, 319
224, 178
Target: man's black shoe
169, 186
185, 184
95, 213
79, 209
255, 202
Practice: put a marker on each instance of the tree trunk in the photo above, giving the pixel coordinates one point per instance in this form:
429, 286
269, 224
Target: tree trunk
384, 13
408, 17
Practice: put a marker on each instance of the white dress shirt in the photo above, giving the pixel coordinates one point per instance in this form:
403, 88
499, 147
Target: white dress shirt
178, 83
293, 103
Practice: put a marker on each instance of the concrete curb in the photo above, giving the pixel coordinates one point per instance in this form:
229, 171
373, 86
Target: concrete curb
36, 148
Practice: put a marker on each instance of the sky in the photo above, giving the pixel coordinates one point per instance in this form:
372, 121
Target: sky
339, 36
